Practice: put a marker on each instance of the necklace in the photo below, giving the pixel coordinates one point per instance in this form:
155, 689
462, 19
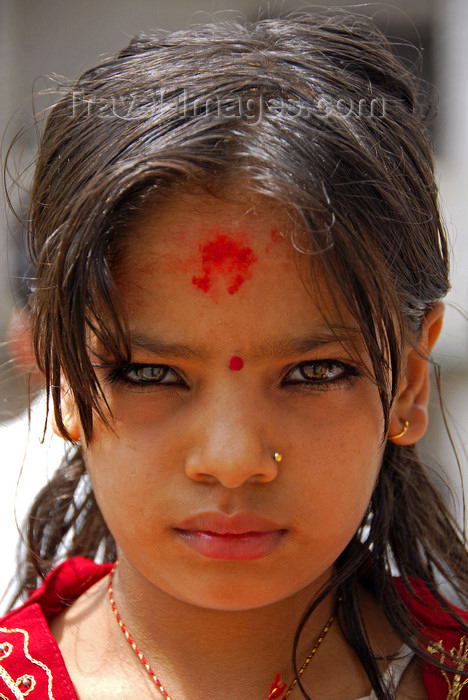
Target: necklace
130, 640
278, 686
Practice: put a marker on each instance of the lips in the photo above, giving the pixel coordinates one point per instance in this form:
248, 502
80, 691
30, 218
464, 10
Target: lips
239, 537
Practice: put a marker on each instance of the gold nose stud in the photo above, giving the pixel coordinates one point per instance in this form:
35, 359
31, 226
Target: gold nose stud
277, 456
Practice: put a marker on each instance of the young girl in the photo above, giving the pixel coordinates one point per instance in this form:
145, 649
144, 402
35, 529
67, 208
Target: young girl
239, 263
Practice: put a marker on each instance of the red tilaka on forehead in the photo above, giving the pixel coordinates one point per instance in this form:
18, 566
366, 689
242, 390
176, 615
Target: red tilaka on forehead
226, 257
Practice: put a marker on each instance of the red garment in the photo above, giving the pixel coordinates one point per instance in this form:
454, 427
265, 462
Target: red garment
445, 634
32, 667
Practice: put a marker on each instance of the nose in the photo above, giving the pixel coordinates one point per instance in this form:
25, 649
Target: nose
231, 448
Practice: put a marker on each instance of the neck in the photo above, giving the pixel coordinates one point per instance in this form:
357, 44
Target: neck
200, 648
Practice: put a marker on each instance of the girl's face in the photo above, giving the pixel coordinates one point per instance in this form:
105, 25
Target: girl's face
186, 477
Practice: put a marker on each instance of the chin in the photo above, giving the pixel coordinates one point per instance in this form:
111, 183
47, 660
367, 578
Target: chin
236, 596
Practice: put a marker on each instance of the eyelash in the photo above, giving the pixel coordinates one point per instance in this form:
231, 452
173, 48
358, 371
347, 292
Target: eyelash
347, 374
325, 381
120, 375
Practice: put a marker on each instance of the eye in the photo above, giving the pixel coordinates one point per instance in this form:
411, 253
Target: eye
158, 374
321, 373
145, 375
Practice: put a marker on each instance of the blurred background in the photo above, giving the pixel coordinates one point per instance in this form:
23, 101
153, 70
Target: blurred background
64, 37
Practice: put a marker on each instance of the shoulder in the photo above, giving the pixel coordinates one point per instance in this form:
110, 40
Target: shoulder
444, 629
30, 661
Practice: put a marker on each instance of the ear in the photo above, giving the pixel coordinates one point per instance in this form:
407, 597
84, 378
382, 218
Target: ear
413, 395
70, 415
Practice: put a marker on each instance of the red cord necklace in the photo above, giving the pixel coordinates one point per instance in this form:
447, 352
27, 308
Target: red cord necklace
278, 686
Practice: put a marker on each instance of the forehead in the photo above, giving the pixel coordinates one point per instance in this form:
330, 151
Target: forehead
220, 242
185, 217
201, 262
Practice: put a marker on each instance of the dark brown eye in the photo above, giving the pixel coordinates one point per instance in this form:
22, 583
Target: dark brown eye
321, 370
321, 373
147, 373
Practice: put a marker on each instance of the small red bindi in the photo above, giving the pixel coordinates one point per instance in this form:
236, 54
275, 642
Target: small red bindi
236, 363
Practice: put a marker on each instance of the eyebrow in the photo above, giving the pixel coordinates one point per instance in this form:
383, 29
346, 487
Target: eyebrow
173, 350
284, 347
278, 348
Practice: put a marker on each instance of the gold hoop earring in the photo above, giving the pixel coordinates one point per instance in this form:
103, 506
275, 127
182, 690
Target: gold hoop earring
401, 433
67, 418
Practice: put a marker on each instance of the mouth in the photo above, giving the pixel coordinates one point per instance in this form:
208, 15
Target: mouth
239, 537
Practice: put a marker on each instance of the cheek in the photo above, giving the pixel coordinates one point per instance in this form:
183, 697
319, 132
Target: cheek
337, 465
331, 502
125, 473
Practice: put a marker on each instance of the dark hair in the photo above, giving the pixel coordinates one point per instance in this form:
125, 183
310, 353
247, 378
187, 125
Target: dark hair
316, 112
